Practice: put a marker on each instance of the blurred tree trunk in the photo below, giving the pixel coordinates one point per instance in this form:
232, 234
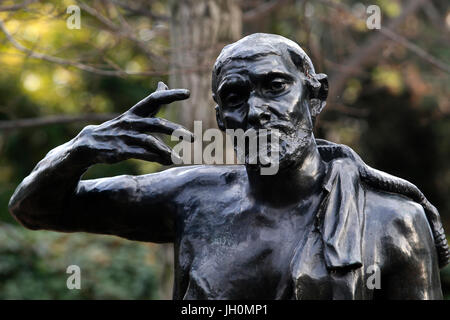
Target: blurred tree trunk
199, 29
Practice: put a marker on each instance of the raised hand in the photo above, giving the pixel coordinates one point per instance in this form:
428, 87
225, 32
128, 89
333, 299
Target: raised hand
128, 135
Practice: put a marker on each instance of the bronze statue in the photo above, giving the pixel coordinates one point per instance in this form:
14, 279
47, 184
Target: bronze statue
315, 230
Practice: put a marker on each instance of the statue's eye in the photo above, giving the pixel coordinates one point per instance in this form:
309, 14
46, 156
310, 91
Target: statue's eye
276, 86
235, 93
234, 99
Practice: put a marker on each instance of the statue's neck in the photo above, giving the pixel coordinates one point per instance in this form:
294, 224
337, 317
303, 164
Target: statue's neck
293, 183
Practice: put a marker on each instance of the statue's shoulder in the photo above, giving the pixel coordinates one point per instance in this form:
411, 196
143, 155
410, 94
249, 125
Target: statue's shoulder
399, 227
395, 209
395, 213
386, 195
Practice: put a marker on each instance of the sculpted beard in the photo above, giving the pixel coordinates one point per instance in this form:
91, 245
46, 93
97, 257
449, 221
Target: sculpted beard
281, 137
293, 144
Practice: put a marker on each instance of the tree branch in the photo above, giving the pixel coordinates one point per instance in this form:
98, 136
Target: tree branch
18, 6
355, 63
416, 49
7, 125
78, 65
139, 10
120, 31
263, 10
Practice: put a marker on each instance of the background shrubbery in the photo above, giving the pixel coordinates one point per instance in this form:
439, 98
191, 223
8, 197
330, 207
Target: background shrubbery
33, 266
389, 100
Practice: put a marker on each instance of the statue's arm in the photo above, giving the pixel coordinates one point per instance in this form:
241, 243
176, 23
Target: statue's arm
54, 197
413, 271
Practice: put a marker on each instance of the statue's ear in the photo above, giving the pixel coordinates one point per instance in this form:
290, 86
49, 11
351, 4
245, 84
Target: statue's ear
219, 118
318, 94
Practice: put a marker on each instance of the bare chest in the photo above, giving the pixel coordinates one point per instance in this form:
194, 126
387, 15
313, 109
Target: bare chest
240, 250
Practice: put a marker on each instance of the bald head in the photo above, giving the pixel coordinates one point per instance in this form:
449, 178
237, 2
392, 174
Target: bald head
262, 44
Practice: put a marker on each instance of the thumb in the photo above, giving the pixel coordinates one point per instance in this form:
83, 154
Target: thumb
162, 86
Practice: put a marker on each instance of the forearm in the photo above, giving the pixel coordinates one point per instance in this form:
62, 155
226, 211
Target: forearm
38, 201
53, 197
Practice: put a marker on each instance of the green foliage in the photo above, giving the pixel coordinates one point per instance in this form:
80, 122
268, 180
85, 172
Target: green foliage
396, 115
33, 266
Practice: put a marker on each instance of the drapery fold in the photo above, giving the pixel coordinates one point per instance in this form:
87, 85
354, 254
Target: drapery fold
342, 216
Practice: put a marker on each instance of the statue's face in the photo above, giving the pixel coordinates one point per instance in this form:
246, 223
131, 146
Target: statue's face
267, 93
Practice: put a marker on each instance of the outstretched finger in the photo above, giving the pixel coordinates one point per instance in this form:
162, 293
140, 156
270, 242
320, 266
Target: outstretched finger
150, 105
162, 86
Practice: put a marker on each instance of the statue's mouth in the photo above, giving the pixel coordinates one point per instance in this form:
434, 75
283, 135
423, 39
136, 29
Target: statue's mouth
282, 126
269, 145
261, 147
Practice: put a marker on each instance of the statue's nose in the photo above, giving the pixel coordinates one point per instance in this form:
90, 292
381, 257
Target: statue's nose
258, 113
